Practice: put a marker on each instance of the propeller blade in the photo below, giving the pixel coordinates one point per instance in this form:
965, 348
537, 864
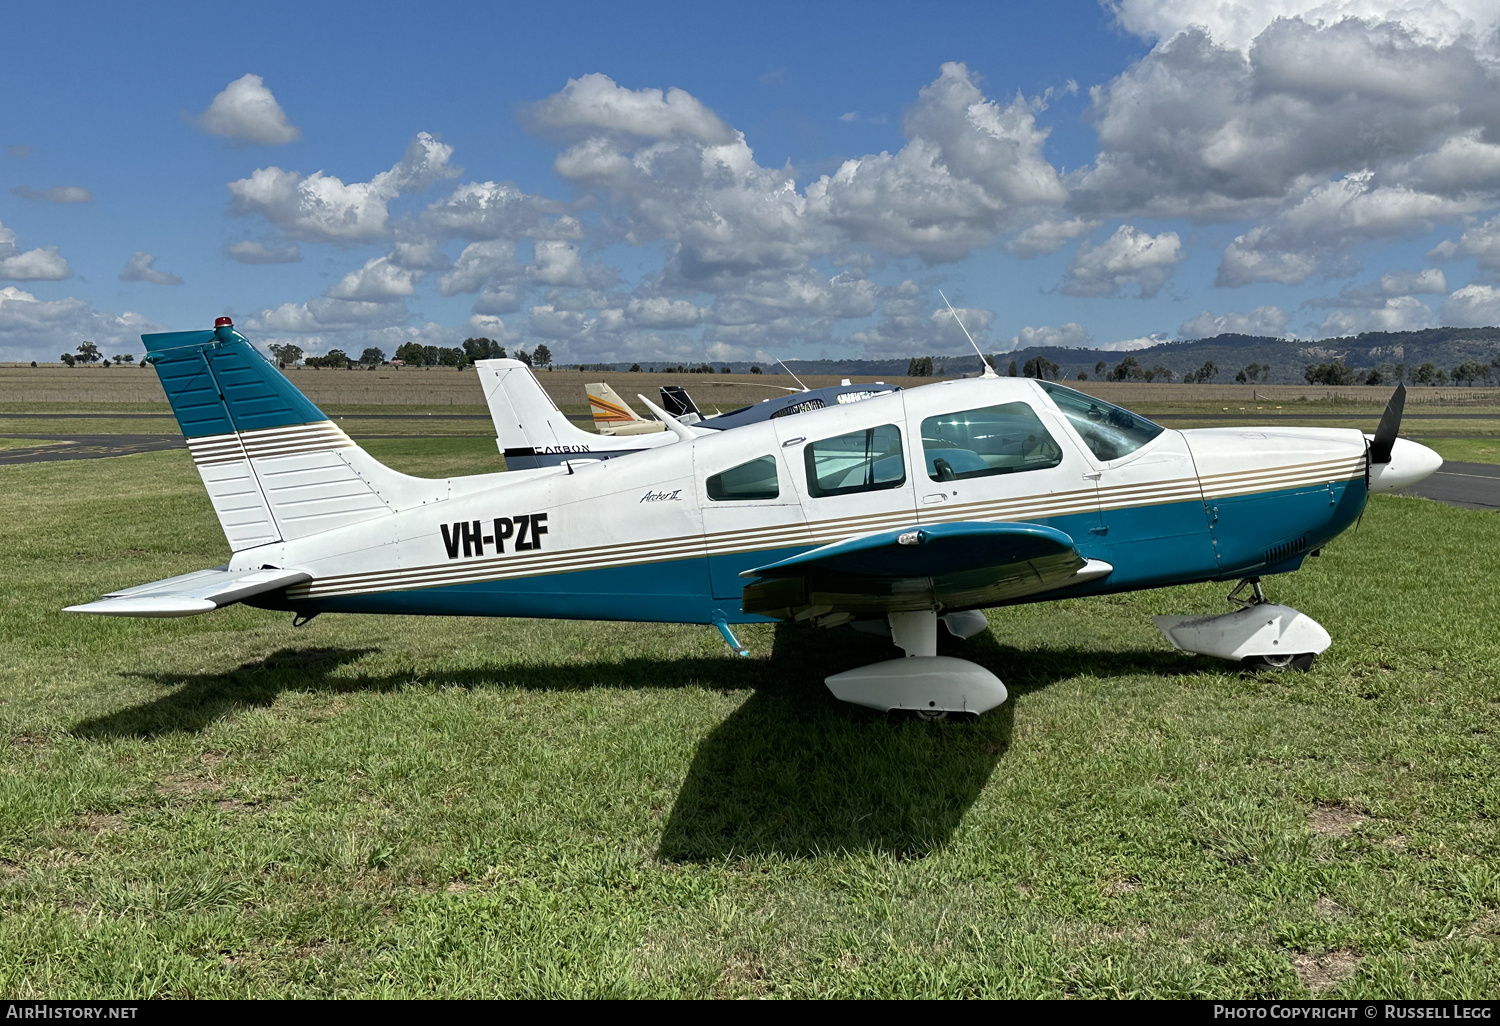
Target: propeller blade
1390, 425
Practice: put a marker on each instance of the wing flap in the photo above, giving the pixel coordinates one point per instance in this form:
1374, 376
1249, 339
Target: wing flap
199, 592
947, 566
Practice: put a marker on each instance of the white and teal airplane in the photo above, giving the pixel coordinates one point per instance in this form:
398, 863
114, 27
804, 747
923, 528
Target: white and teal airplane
898, 512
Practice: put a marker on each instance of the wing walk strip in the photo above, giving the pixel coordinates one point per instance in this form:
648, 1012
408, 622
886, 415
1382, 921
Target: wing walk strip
780, 536
319, 436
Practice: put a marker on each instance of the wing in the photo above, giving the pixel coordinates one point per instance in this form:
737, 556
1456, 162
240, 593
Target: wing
965, 565
200, 592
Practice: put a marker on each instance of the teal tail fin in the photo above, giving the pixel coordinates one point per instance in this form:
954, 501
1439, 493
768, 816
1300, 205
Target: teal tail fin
218, 384
276, 468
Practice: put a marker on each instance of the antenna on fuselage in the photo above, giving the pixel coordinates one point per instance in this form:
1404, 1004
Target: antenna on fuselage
989, 372
789, 371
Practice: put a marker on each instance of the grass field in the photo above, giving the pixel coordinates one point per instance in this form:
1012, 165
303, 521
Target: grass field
223, 805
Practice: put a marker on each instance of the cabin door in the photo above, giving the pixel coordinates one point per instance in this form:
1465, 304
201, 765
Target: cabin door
751, 517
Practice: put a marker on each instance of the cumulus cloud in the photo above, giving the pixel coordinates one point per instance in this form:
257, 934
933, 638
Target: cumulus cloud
142, 267
1263, 320
674, 171
1473, 306
1239, 24
41, 264
1482, 242
949, 325
247, 112
1328, 218
1049, 236
1398, 313
322, 208
1070, 336
249, 251
325, 314
1156, 338
479, 263
34, 329
495, 210
378, 281
1391, 285
1325, 124
662, 313
486, 326
1128, 257
970, 170
594, 102
56, 194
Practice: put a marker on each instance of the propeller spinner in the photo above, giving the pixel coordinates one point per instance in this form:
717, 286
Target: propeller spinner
1396, 463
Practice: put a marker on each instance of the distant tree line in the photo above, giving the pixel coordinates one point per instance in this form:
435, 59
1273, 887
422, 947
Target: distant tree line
1470, 373
89, 353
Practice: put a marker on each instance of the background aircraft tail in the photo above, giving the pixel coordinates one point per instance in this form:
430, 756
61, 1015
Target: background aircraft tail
276, 468
531, 430
676, 401
613, 415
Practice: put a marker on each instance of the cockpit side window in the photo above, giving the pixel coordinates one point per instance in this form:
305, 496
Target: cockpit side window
1109, 431
753, 480
1004, 439
862, 461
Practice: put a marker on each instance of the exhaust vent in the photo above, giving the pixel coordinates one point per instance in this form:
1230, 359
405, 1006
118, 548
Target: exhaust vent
1286, 550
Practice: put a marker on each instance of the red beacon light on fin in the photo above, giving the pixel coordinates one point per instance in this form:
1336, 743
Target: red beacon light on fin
223, 322
224, 329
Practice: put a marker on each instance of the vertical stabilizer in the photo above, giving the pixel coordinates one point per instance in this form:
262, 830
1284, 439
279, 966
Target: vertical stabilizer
275, 467
532, 432
613, 415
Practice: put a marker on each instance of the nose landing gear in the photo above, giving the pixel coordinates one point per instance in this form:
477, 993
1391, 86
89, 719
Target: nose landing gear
1259, 635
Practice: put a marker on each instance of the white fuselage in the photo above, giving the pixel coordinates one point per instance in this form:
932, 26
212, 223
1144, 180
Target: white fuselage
639, 537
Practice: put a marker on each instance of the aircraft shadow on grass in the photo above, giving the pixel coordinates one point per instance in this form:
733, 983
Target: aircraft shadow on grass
792, 772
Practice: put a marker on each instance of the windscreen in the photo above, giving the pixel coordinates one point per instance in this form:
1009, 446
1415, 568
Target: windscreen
1108, 430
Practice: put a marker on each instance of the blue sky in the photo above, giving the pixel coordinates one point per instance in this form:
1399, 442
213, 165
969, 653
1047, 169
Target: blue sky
688, 181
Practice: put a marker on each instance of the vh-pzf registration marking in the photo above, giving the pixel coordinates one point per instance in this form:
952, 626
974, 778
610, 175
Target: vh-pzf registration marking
469, 536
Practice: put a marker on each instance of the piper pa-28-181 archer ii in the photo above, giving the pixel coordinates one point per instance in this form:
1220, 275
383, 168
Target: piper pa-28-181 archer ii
916, 507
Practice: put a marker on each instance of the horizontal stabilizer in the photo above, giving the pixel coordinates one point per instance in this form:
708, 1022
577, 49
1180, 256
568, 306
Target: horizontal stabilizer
199, 592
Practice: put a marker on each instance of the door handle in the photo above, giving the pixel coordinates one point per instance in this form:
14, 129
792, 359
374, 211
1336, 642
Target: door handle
928, 500
1093, 475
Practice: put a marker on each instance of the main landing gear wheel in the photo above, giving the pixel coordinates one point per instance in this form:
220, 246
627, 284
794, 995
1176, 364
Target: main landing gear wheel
932, 714
1279, 663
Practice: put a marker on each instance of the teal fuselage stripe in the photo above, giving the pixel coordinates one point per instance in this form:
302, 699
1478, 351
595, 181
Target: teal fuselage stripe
1149, 547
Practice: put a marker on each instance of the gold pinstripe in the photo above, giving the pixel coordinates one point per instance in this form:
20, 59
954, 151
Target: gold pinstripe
1213, 486
297, 440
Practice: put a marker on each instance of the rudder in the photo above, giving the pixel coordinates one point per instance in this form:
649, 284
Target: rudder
275, 467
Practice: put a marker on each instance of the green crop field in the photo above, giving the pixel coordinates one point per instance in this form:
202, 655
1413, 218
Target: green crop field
227, 806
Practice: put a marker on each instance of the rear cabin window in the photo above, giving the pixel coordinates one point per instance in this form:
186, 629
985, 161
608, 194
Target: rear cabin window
861, 461
753, 480
806, 406
1109, 431
1004, 439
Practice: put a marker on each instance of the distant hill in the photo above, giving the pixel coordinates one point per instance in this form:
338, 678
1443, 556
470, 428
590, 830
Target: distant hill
1444, 348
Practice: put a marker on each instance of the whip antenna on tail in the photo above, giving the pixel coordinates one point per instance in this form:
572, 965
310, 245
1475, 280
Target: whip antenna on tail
989, 372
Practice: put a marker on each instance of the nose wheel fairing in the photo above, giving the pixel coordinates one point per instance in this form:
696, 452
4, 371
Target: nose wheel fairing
1258, 635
